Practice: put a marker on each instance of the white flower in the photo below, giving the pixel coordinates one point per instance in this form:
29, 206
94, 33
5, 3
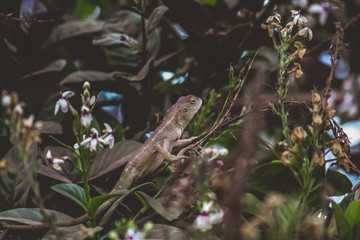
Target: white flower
299, 19
93, 141
108, 137
86, 117
209, 216
131, 234
322, 10
62, 103
54, 162
19, 109
6, 99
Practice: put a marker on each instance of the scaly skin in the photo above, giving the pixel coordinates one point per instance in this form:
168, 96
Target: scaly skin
146, 159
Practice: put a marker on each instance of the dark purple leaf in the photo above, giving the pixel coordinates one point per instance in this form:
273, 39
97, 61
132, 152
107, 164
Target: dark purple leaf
73, 29
168, 208
141, 75
110, 159
56, 66
162, 231
154, 18
90, 76
48, 127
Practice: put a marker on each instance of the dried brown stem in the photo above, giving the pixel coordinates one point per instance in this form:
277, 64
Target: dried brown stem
9, 17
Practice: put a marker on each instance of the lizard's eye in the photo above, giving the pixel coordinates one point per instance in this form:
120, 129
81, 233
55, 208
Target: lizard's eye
192, 100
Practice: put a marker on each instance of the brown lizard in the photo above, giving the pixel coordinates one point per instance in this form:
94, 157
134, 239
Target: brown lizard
146, 159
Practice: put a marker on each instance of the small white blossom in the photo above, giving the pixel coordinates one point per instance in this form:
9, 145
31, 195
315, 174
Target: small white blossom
62, 103
299, 19
19, 109
132, 234
86, 116
209, 216
93, 141
54, 162
108, 137
5, 99
320, 9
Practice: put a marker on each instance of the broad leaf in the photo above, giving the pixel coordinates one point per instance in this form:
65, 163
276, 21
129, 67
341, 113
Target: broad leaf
339, 182
73, 29
111, 210
31, 215
71, 233
111, 39
72, 191
162, 231
56, 66
49, 127
352, 213
52, 173
273, 176
154, 18
170, 209
342, 223
97, 201
111, 159
15, 187
90, 76
141, 75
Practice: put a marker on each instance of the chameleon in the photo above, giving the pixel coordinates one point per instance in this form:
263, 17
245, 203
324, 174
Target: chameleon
147, 158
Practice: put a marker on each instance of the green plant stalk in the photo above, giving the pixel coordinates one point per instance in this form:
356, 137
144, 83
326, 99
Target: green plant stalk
283, 88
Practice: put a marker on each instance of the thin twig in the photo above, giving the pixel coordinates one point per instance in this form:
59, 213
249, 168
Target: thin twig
24, 20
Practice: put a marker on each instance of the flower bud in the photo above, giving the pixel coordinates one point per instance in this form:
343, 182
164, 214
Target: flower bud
86, 93
315, 98
285, 158
86, 85
319, 158
330, 110
337, 150
298, 135
317, 119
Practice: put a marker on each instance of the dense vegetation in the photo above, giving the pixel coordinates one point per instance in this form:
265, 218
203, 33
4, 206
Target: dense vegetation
84, 83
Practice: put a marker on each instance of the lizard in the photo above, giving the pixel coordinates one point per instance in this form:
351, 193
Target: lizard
146, 159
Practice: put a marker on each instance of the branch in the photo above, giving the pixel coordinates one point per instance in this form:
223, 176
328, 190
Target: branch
9, 17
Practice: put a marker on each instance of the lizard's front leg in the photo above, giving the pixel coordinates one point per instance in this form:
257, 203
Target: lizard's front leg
167, 155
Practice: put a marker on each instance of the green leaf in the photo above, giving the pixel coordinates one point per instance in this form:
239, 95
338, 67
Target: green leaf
83, 9
72, 191
97, 201
339, 182
273, 176
342, 223
111, 210
167, 207
352, 213
346, 201
72, 29
208, 2
31, 215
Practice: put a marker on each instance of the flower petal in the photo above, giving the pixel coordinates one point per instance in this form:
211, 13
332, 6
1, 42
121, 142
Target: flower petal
68, 94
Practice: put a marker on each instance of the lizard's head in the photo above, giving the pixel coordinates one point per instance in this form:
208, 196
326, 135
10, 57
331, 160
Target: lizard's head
188, 106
